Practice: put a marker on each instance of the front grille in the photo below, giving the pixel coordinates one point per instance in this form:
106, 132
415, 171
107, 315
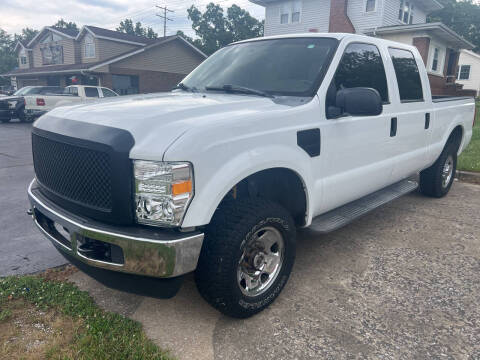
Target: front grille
4, 105
75, 173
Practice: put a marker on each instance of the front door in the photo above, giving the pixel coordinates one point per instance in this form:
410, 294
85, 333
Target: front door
356, 147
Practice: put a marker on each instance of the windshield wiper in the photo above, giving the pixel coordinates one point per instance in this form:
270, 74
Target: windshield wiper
239, 89
184, 87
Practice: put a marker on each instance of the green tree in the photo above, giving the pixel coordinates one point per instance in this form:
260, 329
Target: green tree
62, 24
463, 17
195, 42
216, 30
26, 35
8, 60
126, 26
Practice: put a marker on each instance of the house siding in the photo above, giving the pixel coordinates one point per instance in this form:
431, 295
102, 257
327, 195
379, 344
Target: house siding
473, 83
25, 53
173, 57
105, 49
81, 46
314, 17
361, 20
390, 15
68, 53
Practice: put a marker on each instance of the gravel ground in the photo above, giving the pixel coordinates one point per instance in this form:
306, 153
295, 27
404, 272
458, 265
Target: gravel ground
400, 283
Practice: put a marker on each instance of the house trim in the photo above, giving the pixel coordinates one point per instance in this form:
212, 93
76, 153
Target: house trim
85, 27
52, 30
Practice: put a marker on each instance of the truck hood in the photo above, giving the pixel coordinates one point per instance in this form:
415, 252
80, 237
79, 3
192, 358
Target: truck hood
157, 120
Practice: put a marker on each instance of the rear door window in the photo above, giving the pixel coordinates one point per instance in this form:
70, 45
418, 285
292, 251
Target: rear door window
408, 76
108, 93
361, 66
91, 92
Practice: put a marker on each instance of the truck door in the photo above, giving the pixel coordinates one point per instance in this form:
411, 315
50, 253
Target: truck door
356, 147
410, 143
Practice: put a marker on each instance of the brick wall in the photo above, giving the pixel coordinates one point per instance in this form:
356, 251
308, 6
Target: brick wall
148, 81
422, 44
339, 20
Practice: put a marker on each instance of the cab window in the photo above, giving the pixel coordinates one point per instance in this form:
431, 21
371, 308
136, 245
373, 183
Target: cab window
91, 92
408, 76
361, 66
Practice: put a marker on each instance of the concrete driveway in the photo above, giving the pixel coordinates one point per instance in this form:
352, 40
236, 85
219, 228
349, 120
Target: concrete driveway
23, 249
401, 283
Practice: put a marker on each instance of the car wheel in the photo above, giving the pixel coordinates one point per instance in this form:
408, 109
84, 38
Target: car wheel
23, 117
247, 256
437, 180
5, 120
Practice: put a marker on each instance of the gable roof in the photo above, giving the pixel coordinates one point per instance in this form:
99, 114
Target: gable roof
436, 28
22, 45
115, 35
79, 68
69, 32
157, 42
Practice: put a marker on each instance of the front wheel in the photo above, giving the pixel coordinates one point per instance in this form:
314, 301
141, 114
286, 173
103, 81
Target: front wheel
437, 180
247, 256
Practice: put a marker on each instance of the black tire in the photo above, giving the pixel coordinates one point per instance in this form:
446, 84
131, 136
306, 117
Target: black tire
232, 226
23, 117
5, 120
432, 180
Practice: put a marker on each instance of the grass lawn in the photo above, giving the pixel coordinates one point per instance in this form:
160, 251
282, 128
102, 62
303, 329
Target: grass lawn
470, 158
49, 319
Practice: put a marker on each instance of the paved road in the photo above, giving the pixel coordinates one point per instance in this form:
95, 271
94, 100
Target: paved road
400, 283
22, 249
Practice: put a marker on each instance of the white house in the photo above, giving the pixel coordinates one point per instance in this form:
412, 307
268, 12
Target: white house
468, 71
399, 20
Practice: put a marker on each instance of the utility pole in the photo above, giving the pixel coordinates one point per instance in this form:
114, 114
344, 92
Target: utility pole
164, 17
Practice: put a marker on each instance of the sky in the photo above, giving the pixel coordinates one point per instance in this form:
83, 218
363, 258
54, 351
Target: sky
17, 14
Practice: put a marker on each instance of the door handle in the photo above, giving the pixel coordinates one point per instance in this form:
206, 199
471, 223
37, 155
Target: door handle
427, 120
393, 127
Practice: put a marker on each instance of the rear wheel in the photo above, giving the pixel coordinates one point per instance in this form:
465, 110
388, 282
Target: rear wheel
247, 256
5, 120
437, 180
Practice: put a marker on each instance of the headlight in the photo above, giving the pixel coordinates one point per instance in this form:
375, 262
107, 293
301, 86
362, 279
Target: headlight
163, 191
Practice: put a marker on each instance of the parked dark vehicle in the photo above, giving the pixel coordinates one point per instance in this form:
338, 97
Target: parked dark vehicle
13, 107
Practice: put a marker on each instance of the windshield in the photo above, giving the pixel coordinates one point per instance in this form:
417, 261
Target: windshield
35, 90
22, 91
292, 67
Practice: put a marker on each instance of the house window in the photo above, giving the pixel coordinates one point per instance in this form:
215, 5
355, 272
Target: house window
435, 59
23, 60
51, 49
370, 6
89, 46
405, 13
464, 73
290, 12
52, 54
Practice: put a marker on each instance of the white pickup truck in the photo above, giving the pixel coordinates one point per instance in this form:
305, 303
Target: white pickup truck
266, 135
36, 106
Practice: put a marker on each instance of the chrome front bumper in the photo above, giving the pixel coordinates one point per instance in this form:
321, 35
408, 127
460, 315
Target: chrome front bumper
140, 251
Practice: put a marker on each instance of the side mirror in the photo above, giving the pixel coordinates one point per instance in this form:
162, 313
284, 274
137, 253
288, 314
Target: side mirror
359, 101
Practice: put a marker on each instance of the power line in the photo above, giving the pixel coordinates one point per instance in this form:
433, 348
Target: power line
164, 17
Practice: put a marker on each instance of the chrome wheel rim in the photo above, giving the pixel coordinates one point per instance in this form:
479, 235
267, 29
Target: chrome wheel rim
261, 261
447, 171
